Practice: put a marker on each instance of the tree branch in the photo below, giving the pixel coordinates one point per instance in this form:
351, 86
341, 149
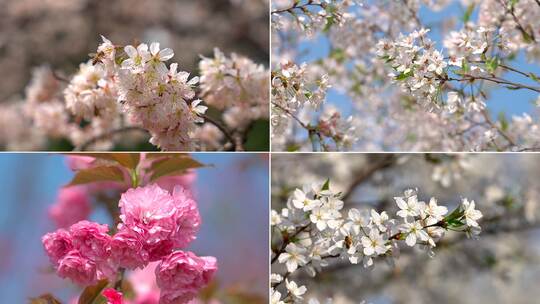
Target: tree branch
109, 134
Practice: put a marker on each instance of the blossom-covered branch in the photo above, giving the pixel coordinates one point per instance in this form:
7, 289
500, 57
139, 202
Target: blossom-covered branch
124, 88
312, 229
398, 88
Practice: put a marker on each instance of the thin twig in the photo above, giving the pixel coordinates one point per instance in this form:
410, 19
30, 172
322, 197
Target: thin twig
109, 134
299, 6
361, 177
311, 130
513, 85
224, 130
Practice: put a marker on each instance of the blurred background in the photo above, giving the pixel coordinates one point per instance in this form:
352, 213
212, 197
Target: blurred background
501, 267
232, 198
62, 33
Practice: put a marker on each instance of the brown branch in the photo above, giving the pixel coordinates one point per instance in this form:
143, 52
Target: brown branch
109, 134
383, 163
299, 6
236, 142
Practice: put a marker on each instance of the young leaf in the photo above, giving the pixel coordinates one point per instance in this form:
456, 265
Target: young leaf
404, 76
457, 213
468, 13
503, 121
326, 185
97, 174
173, 166
91, 293
45, 299
128, 160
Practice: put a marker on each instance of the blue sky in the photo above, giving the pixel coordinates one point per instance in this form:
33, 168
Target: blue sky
232, 197
502, 100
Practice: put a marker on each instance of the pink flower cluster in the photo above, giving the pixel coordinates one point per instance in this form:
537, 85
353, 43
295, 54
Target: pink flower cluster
154, 225
182, 274
154, 222
81, 253
72, 205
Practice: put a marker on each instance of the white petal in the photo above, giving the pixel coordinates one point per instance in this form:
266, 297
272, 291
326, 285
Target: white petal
291, 265
154, 48
411, 239
130, 50
166, 54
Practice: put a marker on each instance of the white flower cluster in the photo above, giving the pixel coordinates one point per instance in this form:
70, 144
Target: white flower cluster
313, 229
311, 16
293, 87
236, 85
342, 131
153, 95
420, 68
131, 87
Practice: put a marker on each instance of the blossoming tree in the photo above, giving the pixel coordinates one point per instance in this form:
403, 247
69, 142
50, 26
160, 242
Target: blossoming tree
155, 218
394, 87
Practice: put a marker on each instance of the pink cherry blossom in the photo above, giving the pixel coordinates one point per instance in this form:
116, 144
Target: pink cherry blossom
79, 162
91, 239
57, 245
127, 250
72, 205
144, 285
188, 221
163, 220
170, 182
182, 274
78, 268
112, 296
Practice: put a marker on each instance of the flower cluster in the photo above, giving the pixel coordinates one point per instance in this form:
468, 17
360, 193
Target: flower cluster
72, 206
405, 92
294, 87
236, 85
311, 16
154, 225
127, 88
420, 68
153, 95
313, 229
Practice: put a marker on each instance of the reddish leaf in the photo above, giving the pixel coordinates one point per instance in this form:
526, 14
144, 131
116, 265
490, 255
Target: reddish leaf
97, 174
45, 299
173, 166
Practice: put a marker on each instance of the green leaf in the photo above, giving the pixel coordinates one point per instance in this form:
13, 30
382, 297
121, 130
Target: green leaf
465, 66
45, 299
467, 15
173, 166
258, 138
91, 294
513, 2
338, 55
293, 147
526, 37
503, 121
330, 20
492, 64
404, 76
326, 185
97, 174
457, 213
455, 223
534, 77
